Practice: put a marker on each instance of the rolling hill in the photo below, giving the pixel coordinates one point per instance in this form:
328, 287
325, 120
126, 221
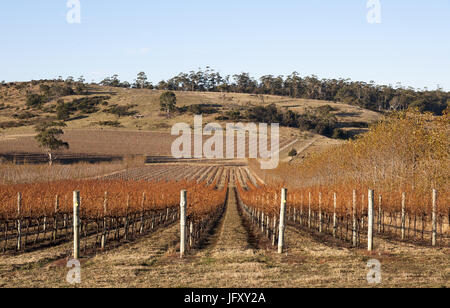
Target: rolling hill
144, 128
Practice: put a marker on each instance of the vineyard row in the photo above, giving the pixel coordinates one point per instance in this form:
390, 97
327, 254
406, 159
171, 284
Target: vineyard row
343, 217
109, 212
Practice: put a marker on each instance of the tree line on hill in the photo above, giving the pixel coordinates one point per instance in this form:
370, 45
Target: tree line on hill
365, 95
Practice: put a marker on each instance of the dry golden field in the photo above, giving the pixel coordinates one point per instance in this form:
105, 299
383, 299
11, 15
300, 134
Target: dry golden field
147, 102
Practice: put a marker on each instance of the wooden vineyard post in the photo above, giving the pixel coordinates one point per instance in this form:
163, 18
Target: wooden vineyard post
434, 219
105, 210
76, 230
380, 213
320, 212
309, 211
334, 215
354, 234
403, 222
183, 198
127, 223
282, 220
274, 236
55, 231
370, 222
141, 227
362, 212
19, 222
191, 234
45, 226
301, 210
262, 222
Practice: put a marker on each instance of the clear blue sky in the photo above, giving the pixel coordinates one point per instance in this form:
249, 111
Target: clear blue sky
328, 38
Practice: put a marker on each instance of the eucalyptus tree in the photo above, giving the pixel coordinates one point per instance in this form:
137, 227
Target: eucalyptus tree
48, 134
141, 80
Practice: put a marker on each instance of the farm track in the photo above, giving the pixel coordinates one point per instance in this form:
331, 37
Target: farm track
231, 236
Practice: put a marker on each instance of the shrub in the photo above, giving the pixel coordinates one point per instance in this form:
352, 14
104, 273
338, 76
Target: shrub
293, 153
63, 111
11, 124
35, 101
85, 105
340, 134
61, 90
121, 111
109, 123
198, 109
24, 115
168, 101
45, 89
